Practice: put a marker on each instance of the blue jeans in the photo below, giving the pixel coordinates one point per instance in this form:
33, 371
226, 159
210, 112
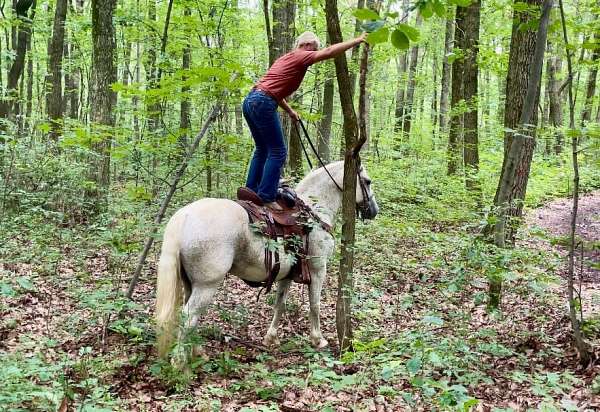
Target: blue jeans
260, 112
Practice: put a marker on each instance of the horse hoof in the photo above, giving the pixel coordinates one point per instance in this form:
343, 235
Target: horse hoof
271, 340
319, 343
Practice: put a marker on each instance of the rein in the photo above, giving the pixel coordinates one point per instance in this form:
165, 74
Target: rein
365, 192
312, 146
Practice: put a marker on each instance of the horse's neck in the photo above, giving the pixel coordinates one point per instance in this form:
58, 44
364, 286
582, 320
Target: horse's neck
319, 192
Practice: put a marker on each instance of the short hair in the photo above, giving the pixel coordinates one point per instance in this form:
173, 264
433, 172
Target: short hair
308, 37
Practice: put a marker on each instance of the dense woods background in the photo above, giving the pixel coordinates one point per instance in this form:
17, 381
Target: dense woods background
457, 302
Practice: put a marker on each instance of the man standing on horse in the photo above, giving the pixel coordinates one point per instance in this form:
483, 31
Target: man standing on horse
260, 110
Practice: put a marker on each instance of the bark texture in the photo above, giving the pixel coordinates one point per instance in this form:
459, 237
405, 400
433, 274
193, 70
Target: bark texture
20, 41
410, 88
470, 91
456, 118
103, 98
520, 72
345, 280
54, 96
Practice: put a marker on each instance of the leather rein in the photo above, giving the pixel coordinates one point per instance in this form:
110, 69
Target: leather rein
365, 193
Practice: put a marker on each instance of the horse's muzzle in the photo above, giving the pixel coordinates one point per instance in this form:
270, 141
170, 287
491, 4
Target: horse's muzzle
370, 210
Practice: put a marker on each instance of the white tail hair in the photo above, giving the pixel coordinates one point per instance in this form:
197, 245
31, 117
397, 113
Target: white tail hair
169, 287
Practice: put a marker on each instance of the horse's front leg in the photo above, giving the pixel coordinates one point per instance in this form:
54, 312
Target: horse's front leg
314, 297
283, 286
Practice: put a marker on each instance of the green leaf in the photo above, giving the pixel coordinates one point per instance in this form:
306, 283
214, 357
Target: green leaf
462, 3
439, 8
413, 365
426, 10
25, 284
411, 32
393, 14
372, 26
6, 290
432, 320
399, 40
379, 36
365, 14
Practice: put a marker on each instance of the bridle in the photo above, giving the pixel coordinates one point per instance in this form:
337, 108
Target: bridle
363, 207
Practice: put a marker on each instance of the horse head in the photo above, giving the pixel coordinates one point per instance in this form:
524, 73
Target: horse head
365, 199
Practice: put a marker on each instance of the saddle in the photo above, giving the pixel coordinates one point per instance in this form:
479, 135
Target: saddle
292, 225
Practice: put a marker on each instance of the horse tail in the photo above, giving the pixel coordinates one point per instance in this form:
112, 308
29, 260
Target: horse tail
169, 287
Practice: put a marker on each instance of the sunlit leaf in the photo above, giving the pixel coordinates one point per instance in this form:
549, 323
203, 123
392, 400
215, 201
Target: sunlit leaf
365, 14
412, 33
399, 40
379, 36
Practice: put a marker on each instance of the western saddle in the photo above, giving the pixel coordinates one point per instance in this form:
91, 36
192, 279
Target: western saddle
292, 224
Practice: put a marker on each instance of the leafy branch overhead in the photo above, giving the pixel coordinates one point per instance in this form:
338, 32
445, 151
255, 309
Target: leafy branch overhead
402, 34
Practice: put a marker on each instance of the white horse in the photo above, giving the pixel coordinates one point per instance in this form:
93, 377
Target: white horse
209, 238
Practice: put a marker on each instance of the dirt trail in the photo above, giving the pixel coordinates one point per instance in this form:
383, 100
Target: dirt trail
555, 220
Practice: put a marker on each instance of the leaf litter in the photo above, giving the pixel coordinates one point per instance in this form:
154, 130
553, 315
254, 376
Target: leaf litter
524, 358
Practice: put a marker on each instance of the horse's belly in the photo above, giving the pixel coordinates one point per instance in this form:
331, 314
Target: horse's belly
251, 266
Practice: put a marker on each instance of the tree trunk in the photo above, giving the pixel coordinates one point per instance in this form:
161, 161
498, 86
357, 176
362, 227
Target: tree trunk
434, 113
345, 280
555, 114
402, 64
470, 90
410, 89
591, 83
400, 92
103, 99
54, 97
184, 107
520, 72
456, 119
360, 4
325, 124
284, 15
295, 150
20, 42
582, 347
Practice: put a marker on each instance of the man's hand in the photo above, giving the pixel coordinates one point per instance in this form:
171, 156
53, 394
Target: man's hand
295, 116
363, 37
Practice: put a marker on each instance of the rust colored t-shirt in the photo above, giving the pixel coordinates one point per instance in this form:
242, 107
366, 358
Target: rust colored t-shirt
286, 74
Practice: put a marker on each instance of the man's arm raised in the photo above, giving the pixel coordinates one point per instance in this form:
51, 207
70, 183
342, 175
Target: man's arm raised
338, 48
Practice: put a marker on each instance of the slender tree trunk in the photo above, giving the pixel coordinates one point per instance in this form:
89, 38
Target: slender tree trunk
103, 98
410, 89
555, 114
184, 108
54, 97
29, 105
402, 65
400, 92
345, 280
456, 118
284, 15
434, 114
586, 113
20, 40
360, 4
581, 345
327, 111
265, 7
470, 90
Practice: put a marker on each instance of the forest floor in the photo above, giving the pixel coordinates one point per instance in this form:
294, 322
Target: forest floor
423, 340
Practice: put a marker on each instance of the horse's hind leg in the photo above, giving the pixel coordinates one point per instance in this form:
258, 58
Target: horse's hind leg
283, 287
314, 298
